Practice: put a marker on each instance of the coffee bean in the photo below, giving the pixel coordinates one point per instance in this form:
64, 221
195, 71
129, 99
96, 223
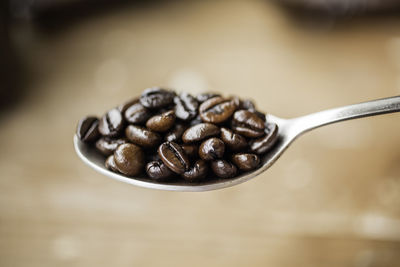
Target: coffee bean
185, 106
107, 145
124, 106
199, 132
87, 130
205, 96
112, 123
246, 161
110, 164
248, 124
129, 159
197, 172
158, 171
156, 98
190, 150
248, 105
142, 136
212, 149
233, 141
217, 109
137, 114
223, 168
176, 133
174, 157
263, 144
162, 122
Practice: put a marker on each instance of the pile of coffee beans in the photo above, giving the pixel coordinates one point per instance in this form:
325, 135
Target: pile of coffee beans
170, 136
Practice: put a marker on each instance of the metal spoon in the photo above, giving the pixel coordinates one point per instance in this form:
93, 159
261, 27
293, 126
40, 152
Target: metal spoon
289, 130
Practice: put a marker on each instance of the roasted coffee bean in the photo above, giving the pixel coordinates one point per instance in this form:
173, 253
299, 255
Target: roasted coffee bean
185, 106
233, 141
157, 171
110, 164
175, 134
124, 106
190, 150
111, 124
246, 161
217, 109
142, 136
212, 149
197, 172
162, 122
87, 130
263, 144
137, 114
248, 124
129, 159
205, 96
223, 168
107, 145
174, 157
156, 98
199, 132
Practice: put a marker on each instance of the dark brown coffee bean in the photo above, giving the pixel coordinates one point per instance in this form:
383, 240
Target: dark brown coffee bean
212, 149
129, 159
110, 164
248, 124
185, 106
217, 109
197, 172
124, 106
157, 171
174, 157
175, 134
156, 98
107, 145
191, 150
223, 168
263, 144
162, 122
205, 96
199, 132
137, 114
246, 161
234, 141
142, 136
87, 130
111, 124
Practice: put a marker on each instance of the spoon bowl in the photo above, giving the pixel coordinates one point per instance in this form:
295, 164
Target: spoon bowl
289, 130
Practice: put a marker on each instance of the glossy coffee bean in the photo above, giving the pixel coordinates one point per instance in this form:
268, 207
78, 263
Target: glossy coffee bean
205, 96
137, 114
248, 124
212, 149
223, 168
197, 172
142, 136
162, 122
199, 132
129, 159
156, 98
190, 150
174, 157
185, 106
158, 171
175, 134
233, 141
110, 164
87, 130
266, 142
112, 123
107, 145
217, 109
124, 106
246, 161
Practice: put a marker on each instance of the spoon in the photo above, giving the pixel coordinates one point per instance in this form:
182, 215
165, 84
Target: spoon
289, 130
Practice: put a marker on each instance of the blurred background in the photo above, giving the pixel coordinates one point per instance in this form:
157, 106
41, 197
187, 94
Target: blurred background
333, 199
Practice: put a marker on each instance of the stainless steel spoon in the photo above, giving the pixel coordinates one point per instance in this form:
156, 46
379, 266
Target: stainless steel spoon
289, 130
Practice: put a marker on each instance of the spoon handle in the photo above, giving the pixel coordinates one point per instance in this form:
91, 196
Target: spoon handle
365, 109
